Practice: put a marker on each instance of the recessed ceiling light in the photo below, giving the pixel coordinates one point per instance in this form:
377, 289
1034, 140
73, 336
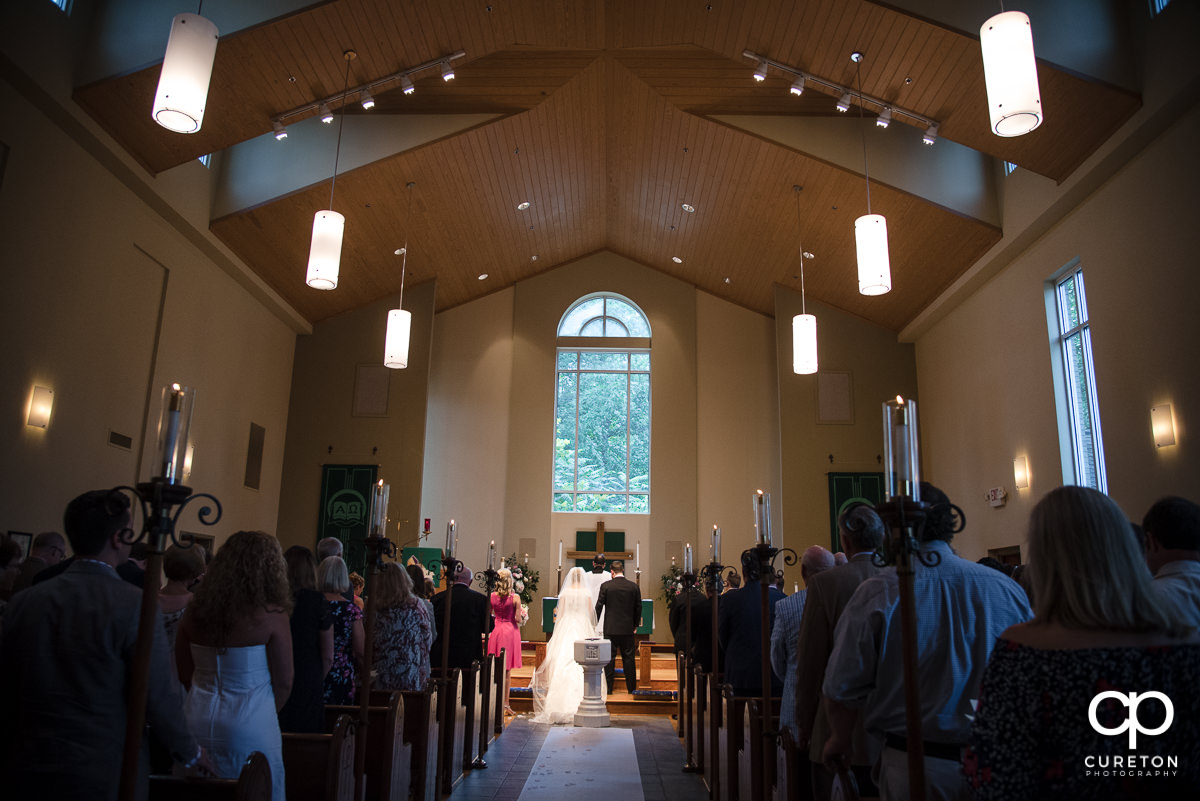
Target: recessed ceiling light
727, 279
689, 208
483, 276
677, 260
533, 257
523, 205
399, 251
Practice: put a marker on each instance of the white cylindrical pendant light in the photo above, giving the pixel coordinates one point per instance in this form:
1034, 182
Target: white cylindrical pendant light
395, 344
804, 344
186, 70
325, 253
1010, 72
874, 265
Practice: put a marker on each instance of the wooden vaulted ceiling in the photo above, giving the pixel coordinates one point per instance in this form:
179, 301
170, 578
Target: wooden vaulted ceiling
606, 127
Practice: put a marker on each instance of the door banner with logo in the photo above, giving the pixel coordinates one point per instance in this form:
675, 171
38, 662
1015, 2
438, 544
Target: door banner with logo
345, 509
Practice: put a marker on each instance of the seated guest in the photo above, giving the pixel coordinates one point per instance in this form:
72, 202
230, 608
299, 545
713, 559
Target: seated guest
962, 608
784, 634
182, 568
341, 681
48, 549
234, 651
403, 632
311, 624
1172, 529
66, 664
1100, 630
739, 630
861, 533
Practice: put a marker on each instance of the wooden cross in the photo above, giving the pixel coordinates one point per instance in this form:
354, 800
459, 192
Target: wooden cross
599, 548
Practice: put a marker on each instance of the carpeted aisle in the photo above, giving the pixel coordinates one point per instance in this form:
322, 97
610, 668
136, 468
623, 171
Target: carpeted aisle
585, 765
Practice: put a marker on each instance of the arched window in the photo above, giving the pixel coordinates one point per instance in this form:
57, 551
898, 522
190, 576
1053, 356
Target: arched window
602, 408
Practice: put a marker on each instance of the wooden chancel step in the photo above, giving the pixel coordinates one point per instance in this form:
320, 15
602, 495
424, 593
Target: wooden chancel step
657, 696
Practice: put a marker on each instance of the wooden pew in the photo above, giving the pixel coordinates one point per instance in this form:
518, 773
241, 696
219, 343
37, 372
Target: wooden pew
486, 702
759, 747
499, 676
700, 724
792, 779
320, 767
473, 717
712, 741
422, 731
730, 740
681, 693
252, 784
453, 721
388, 758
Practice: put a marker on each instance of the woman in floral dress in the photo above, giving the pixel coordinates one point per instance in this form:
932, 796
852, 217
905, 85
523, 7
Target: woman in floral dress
403, 632
334, 580
506, 607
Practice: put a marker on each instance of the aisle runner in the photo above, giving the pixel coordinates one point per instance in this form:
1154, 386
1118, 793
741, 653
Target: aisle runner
585, 765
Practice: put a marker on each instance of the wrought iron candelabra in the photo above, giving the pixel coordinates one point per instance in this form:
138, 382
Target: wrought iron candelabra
162, 503
688, 582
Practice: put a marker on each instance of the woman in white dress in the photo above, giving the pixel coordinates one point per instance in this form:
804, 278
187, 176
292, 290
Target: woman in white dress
557, 684
234, 652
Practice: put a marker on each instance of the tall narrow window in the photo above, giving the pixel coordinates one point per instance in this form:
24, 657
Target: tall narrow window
602, 408
1075, 385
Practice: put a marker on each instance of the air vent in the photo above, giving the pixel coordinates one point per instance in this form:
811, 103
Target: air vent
120, 441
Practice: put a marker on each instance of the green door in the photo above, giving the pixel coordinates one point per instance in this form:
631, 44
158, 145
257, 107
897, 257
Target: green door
848, 488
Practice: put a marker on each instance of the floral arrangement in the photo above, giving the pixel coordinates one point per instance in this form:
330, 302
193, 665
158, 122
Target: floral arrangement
672, 584
525, 579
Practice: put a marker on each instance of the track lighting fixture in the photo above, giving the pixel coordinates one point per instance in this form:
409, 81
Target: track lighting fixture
279, 130
931, 134
797, 86
885, 117
366, 100
326, 114
843, 104
406, 85
760, 72
447, 72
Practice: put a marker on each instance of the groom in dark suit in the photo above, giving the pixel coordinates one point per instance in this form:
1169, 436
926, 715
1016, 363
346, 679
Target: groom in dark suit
621, 599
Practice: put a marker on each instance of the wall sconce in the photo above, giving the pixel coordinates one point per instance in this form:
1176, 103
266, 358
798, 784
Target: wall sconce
1020, 473
1163, 425
41, 404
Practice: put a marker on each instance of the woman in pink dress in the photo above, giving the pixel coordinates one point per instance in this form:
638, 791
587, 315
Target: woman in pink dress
506, 607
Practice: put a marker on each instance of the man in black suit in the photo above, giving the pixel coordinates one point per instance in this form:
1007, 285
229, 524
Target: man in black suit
739, 630
470, 617
621, 599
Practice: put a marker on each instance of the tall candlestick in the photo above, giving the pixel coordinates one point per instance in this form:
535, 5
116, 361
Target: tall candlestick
492, 555
173, 432
716, 543
451, 537
902, 478
687, 558
760, 531
379, 512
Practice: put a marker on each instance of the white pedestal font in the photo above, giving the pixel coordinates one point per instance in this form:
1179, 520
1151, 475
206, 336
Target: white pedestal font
593, 655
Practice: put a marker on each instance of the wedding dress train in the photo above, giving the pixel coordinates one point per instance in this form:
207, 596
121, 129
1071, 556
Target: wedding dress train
557, 684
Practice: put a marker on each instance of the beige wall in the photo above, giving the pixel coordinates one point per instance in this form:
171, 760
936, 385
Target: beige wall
985, 372
106, 302
880, 368
322, 428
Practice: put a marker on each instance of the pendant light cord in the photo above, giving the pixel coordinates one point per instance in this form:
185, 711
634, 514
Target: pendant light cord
407, 227
800, 242
341, 123
863, 130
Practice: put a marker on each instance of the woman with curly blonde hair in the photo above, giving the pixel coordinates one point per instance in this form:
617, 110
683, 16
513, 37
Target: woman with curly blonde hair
506, 607
234, 652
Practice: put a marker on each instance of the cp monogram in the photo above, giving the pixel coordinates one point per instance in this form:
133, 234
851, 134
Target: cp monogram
1131, 723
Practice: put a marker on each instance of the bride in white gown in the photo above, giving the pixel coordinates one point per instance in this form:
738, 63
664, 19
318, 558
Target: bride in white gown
557, 684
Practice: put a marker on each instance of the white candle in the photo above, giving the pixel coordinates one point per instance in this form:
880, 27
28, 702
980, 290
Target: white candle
687, 558
716, 544
637, 556
449, 537
760, 529
560, 554
492, 555
526, 558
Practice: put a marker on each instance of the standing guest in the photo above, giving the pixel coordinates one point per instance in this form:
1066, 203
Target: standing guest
357, 585
311, 625
732, 582
1100, 629
48, 549
422, 585
327, 547
622, 600
828, 594
1172, 529
506, 609
469, 619
348, 638
702, 631
739, 630
403, 632
784, 639
677, 617
182, 567
234, 652
961, 609
66, 663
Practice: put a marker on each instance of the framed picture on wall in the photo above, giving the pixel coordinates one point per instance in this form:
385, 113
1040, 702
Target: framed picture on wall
24, 541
